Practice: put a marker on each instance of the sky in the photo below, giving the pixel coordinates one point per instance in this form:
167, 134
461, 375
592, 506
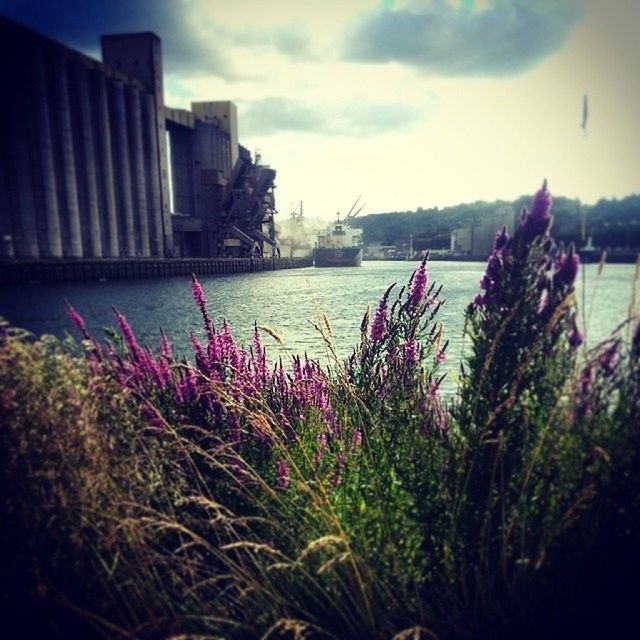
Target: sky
408, 103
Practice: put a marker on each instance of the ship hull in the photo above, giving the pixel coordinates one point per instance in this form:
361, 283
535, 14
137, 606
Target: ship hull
346, 257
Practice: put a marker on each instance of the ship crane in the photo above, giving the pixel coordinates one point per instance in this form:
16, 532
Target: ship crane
351, 214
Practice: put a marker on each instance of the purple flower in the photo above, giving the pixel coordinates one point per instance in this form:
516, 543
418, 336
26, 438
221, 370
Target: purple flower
201, 301
609, 358
188, 386
495, 264
418, 285
575, 336
501, 240
567, 268
538, 221
130, 338
202, 359
322, 449
78, 320
441, 356
283, 474
164, 363
153, 417
585, 387
379, 327
411, 352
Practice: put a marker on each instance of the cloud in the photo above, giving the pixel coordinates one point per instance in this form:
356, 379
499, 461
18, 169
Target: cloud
194, 44
272, 115
434, 36
291, 40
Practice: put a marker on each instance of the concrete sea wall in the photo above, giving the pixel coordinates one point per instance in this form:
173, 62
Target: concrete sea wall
25, 271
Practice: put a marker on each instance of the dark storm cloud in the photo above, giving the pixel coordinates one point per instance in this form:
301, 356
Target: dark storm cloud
508, 37
191, 46
278, 115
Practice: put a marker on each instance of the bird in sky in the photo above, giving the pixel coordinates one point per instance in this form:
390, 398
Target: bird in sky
585, 113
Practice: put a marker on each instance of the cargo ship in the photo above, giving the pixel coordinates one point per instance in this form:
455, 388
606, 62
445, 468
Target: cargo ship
340, 245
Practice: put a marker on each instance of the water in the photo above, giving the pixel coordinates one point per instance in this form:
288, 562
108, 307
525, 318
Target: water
287, 301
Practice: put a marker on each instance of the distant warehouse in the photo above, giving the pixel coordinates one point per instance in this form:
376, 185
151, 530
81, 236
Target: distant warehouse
476, 239
94, 165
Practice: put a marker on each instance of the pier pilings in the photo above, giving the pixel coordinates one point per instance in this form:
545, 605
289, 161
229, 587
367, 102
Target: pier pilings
41, 271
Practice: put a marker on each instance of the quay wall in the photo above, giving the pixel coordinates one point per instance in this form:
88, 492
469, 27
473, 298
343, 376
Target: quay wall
26, 271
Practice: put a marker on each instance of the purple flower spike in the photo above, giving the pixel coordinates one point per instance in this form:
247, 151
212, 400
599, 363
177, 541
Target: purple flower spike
379, 327
201, 301
78, 320
411, 352
609, 358
418, 285
567, 271
575, 336
283, 474
129, 337
538, 222
501, 241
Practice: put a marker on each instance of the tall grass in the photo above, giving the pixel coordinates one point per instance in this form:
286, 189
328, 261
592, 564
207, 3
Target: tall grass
147, 496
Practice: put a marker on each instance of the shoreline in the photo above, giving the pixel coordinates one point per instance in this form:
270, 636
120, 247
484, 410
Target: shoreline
80, 270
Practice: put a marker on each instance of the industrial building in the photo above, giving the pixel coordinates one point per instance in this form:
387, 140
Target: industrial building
94, 165
476, 240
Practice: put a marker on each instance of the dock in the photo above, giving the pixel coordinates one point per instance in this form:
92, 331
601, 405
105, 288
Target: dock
32, 271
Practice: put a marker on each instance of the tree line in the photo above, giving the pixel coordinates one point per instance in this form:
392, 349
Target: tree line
612, 224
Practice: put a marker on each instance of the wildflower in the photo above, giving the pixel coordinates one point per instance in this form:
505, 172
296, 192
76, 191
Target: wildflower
322, 449
283, 474
418, 285
538, 222
491, 279
129, 337
166, 356
411, 352
187, 387
567, 269
585, 386
501, 240
609, 358
78, 320
441, 356
202, 360
575, 336
201, 301
152, 417
379, 327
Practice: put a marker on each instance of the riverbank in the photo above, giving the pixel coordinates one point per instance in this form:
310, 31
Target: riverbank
22, 272
588, 257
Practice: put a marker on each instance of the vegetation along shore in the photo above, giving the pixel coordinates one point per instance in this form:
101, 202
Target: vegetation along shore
145, 495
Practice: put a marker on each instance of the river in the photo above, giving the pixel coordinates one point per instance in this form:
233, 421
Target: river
287, 301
